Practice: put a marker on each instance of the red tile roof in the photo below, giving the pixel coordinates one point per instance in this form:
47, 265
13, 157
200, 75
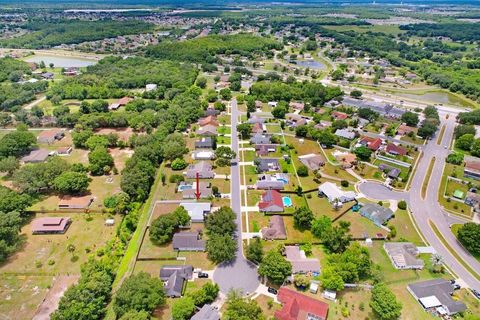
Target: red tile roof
339, 115
372, 143
404, 129
50, 224
394, 149
271, 198
211, 120
124, 101
257, 128
297, 306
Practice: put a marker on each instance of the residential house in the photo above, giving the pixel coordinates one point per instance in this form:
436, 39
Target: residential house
64, 151
346, 160
272, 104
323, 124
473, 200
265, 149
297, 105
260, 139
255, 119
334, 194
300, 263
295, 120
275, 230
259, 128
204, 143
207, 131
36, 156
47, 75
297, 306
50, 225
271, 201
75, 202
403, 129
258, 104
378, 214
472, 168
436, 296
203, 168
404, 255
345, 134
207, 312
197, 210
189, 192
174, 278
371, 143
312, 161
124, 101
150, 87
267, 164
395, 150
384, 109
390, 171
210, 120
50, 136
188, 241
203, 155
275, 181
211, 111
337, 115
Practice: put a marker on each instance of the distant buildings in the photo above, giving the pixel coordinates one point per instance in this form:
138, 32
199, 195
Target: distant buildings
384, 109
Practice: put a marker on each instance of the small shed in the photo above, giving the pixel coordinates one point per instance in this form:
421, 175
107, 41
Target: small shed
110, 222
313, 287
458, 194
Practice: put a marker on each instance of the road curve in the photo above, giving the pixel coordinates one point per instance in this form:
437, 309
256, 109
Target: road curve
429, 209
240, 273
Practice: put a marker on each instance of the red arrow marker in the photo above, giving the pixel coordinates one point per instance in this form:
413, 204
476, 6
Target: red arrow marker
198, 193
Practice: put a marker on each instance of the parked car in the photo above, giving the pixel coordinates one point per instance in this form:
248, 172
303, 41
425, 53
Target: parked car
202, 275
476, 293
272, 290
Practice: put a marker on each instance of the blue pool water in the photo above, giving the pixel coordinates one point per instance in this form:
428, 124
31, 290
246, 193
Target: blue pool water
184, 187
284, 182
287, 202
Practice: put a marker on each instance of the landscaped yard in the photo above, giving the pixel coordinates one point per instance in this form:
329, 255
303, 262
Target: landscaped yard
86, 233
450, 187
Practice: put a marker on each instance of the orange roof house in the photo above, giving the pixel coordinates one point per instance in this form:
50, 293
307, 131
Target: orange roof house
297, 306
210, 120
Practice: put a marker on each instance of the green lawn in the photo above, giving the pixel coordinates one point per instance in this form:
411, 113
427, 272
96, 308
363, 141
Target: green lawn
405, 228
448, 187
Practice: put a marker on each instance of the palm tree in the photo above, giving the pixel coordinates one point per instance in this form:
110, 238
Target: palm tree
71, 248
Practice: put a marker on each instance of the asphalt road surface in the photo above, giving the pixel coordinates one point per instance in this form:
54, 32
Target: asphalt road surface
239, 274
429, 209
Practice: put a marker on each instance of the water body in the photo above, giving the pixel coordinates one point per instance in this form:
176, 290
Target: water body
440, 97
61, 61
312, 64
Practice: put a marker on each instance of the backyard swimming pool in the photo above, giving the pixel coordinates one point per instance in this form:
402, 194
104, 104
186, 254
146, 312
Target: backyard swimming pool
183, 187
287, 202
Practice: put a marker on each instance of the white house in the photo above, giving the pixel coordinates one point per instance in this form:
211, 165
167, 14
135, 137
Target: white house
334, 193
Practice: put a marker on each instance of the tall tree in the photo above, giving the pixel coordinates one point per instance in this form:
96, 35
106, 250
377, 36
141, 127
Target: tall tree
275, 267
384, 304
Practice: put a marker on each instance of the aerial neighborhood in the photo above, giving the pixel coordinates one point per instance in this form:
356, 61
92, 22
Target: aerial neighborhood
241, 161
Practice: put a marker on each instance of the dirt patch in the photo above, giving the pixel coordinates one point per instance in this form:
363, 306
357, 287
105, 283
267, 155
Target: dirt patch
120, 156
163, 208
51, 300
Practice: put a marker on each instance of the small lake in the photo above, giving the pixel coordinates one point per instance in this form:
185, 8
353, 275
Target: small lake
61, 61
312, 64
439, 97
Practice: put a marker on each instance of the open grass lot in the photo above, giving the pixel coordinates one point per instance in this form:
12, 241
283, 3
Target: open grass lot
100, 188
87, 233
163, 208
405, 228
268, 311
387, 29
361, 226
273, 128
248, 155
197, 260
20, 295
149, 250
351, 299
449, 186
369, 172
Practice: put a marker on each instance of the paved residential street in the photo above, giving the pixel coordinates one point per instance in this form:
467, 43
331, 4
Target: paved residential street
240, 273
429, 209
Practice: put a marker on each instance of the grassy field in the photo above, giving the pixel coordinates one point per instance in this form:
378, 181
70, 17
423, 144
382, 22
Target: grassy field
448, 187
387, 29
405, 228
453, 252
20, 295
427, 177
47, 254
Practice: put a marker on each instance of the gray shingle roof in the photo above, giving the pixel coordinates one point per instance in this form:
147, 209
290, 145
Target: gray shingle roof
174, 278
441, 289
188, 241
206, 313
